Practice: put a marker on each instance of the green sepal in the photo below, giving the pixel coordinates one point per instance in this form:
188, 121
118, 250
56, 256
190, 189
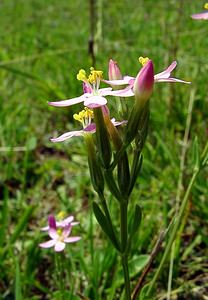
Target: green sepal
123, 174
103, 222
136, 220
109, 178
102, 138
132, 125
142, 128
134, 225
96, 174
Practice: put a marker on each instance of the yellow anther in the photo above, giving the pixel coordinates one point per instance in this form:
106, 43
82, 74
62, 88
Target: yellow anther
84, 116
206, 5
59, 231
94, 75
143, 60
61, 215
82, 75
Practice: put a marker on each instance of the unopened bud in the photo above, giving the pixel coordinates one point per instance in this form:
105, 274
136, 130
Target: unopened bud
144, 83
114, 72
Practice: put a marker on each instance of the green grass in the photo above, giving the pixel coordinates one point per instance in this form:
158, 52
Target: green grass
43, 45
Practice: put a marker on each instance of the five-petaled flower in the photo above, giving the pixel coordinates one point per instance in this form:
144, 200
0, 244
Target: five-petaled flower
201, 16
93, 96
164, 76
59, 234
85, 118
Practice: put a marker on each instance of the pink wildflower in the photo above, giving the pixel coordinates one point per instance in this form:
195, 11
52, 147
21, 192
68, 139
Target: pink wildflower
59, 236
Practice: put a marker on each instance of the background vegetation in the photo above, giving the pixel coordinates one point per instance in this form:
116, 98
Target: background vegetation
43, 45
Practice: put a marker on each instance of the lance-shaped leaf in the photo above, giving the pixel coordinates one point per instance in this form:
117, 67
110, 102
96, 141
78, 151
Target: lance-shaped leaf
104, 224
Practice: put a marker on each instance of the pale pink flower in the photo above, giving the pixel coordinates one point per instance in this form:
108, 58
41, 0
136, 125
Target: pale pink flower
89, 129
59, 236
85, 118
163, 76
93, 96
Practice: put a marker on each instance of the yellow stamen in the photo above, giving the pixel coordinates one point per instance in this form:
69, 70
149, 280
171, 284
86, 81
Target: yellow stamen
206, 5
61, 215
59, 231
84, 116
94, 75
143, 60
82, 75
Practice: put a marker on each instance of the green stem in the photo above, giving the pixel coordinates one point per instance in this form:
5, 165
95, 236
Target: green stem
59, 274
174, 230
126, 277
124, 239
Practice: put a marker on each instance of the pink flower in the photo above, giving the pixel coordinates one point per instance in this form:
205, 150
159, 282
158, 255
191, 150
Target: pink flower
201, 16
59, 236
85, 118
164, 76
93, 96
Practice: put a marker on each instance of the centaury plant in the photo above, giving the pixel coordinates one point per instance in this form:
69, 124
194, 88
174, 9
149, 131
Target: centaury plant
114, 151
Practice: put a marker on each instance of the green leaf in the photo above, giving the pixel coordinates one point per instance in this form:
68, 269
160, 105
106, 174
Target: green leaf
103, 222
18, 293
22, 223
142, 295
136, 220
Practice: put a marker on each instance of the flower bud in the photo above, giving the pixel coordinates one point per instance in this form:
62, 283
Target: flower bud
144, 83
114, 72
143, 88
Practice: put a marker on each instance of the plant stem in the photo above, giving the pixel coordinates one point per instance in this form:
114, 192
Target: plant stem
124, 259
124, 239
59, 274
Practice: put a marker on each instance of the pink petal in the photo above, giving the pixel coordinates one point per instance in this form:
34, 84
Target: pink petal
65, 221
53, 233
127, 92
67, 230
105, 91
69, 102
67, 136
52, 222
59, 246
123, 81
90, 128
48, 244
166, 73
74, 223
172, 80
200, 16
72, 239
116, 123
95, 101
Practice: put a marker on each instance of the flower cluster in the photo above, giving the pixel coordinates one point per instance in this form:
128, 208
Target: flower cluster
93, 96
